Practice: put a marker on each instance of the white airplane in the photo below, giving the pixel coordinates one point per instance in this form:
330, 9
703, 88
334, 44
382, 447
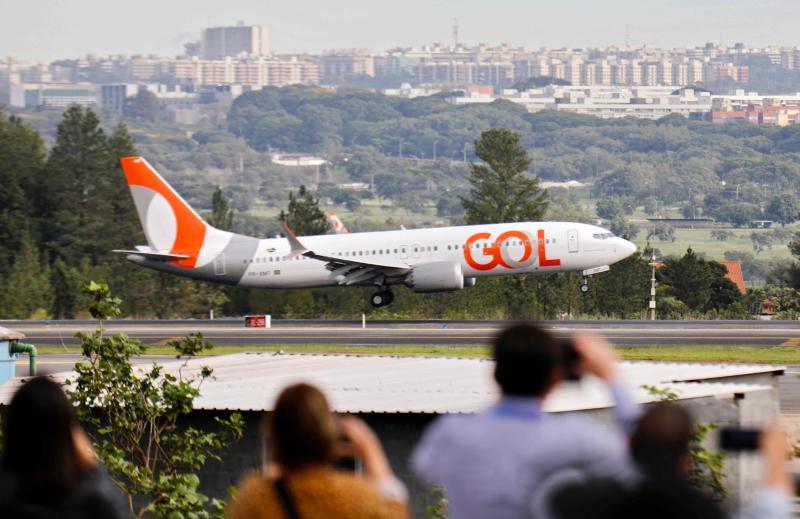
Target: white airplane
425, 260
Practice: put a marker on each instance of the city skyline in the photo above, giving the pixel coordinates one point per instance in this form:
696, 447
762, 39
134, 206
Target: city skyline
52, 29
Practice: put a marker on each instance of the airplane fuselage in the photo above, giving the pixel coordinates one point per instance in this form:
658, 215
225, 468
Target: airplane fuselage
480, 250
180, 242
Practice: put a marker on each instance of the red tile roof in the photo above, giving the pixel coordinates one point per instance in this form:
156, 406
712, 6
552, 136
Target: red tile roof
735, 274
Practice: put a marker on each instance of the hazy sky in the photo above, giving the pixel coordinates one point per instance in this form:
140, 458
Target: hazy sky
47, 29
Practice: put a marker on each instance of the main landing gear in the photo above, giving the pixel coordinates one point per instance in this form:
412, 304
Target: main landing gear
382, 298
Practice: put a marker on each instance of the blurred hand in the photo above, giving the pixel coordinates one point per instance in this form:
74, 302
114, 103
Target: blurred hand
775, 451
597, 356
83, 448
367, 446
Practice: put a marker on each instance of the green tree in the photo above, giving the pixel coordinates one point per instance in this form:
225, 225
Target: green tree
610, 208
724, 292
21, 161
65, 282
689, 278
142, 107
26, 290
782, 209
738, 214
134, 418
75, 201
500, 189
303, 214
625, 291
624, 228
221, 212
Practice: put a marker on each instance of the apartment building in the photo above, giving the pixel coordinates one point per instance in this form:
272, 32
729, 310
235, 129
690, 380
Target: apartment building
241, 40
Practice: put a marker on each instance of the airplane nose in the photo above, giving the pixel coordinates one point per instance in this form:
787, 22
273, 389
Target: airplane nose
626, 247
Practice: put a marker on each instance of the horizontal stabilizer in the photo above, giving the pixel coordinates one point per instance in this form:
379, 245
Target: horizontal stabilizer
158, 256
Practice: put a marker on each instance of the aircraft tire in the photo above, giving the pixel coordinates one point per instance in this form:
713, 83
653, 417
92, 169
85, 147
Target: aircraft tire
378, 299
382, 298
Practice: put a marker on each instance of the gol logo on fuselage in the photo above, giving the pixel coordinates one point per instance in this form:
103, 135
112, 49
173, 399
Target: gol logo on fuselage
499, 254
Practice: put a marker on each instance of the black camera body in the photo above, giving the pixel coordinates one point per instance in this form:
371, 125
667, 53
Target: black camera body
570, 360
736, 440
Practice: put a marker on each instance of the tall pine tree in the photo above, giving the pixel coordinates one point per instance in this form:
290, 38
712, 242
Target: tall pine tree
303, 215
221, 212
21, 160
76, 206
501, 191
26, 290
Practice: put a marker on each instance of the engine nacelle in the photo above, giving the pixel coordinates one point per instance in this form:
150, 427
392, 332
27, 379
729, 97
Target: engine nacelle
436, 277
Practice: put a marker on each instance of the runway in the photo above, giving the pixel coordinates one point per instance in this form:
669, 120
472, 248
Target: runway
452, 333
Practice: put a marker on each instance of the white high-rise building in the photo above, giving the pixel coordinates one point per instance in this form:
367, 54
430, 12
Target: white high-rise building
222, 42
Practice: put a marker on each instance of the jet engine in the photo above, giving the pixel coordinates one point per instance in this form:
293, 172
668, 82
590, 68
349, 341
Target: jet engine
439, 276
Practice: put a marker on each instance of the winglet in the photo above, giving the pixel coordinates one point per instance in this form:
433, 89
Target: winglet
294, 242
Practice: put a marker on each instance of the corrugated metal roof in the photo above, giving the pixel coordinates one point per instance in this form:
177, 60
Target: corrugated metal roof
8, 334
363, 384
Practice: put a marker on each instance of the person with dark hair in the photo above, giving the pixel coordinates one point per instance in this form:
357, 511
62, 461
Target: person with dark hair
660, 447
48, 467
304, 440
493, 463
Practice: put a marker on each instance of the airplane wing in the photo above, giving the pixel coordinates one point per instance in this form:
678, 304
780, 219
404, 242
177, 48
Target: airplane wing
348, 271
152, 255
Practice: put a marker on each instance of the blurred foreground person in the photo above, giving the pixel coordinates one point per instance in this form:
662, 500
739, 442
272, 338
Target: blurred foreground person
492, 464
48, 466
661, 449
304, 440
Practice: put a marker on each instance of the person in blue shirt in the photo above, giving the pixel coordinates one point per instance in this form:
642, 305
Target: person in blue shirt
496, 462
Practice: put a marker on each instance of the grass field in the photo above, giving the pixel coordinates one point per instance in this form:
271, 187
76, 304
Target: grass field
688, 353
701, 241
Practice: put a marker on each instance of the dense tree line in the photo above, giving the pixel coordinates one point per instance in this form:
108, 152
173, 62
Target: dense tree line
730, 172
63, 211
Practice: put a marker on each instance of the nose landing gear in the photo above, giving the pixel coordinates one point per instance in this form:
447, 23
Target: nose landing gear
589, 273
382, 298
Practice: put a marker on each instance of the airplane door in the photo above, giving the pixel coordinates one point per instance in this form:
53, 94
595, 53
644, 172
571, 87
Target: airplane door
572, 240
219, 265
403, 251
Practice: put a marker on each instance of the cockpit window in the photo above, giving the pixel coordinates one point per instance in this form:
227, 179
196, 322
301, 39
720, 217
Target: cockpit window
603, 235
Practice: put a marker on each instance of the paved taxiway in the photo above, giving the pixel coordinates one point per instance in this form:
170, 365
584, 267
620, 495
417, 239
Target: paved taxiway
233, 332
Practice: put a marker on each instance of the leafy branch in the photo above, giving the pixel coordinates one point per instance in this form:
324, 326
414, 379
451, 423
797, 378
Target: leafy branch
134, 416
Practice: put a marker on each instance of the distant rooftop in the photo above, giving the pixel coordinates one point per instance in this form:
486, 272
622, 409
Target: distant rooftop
735, 274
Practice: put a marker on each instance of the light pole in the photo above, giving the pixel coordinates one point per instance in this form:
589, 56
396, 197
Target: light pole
434, 149
653, 287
